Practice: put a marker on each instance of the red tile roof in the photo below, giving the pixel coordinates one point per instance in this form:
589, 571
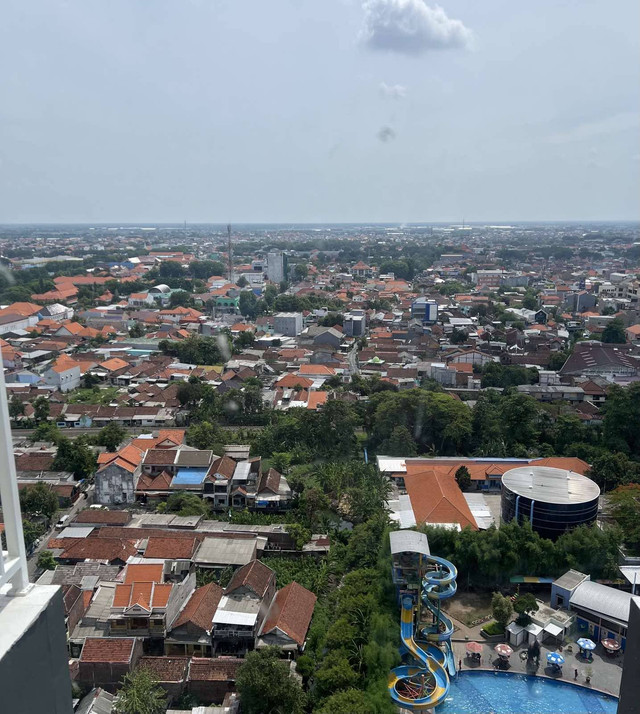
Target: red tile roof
165, 669
219, 669
108, 549
254, 575
201, 607
107, 649
436, 497
291, 612
170, 547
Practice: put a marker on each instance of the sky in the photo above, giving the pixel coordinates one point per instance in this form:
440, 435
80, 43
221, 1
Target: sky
319, 110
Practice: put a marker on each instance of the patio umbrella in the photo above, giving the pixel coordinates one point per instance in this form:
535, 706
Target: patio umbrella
555, 658
475, 647
503, 650
584, 643
610, 644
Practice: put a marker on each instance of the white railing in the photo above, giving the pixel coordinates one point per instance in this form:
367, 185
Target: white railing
13, 560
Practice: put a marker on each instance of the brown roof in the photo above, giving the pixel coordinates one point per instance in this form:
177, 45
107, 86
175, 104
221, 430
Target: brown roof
147, 595
161, 482
159, 457
34, 462
219, 669
291, 612
111, 518
170, 547
107, 649
225, 466
165, 669
201, 607
270, 481
108, 549
254, 575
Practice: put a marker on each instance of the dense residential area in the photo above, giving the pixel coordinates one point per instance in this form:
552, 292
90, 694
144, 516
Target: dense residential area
218, 435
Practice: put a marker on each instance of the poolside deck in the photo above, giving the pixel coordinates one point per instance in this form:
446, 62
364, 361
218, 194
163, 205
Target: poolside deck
606, 671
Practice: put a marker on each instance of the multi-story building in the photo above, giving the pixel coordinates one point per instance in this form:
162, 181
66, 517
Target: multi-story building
276, 266
289, 324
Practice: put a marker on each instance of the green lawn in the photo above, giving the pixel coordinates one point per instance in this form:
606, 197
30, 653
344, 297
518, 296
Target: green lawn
94, 396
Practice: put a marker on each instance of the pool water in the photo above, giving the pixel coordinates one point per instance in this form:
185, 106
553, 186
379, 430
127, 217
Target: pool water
501, 693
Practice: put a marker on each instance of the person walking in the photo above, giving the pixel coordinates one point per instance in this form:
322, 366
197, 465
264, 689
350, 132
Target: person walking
575, 676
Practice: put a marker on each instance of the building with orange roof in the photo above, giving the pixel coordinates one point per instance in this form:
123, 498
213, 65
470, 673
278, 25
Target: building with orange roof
64, 374
140, 607
117, 476
436, 498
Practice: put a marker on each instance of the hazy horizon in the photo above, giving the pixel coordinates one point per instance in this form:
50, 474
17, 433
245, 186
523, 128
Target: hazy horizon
395, 111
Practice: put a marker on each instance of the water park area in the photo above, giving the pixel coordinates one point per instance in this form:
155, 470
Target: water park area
449, 668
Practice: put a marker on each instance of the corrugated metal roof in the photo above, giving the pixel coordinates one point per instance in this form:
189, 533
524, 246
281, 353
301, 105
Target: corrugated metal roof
608, 602
409, 542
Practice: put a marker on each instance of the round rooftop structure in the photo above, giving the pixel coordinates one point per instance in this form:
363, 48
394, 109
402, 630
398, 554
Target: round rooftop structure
552, 500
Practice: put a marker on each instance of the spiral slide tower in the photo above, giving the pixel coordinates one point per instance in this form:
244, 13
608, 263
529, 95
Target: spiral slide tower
426, 684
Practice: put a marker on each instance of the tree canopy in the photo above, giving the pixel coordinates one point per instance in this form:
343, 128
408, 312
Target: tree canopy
140, 694
266, 686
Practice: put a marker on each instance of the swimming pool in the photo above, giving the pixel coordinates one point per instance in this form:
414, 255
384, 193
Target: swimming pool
503, 693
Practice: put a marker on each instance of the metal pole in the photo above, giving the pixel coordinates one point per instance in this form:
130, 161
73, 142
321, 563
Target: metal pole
15, 557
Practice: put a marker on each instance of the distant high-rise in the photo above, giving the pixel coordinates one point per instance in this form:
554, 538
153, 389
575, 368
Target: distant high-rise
276, 266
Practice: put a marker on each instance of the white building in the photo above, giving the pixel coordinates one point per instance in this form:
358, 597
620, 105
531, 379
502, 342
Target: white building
276, 266
288, 324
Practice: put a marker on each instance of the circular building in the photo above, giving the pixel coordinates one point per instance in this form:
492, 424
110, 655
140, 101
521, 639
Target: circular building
552, 500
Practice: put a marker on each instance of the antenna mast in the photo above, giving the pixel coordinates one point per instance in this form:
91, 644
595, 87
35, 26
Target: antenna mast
230, 252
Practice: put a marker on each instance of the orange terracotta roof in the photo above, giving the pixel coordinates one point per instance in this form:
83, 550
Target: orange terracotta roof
314, 369
151, 572
201, 607
290, 381
147, 595
291, 612
317, 399
436, 497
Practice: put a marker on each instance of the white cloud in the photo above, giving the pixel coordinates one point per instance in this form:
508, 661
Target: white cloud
386, 134
393, 91
411, 27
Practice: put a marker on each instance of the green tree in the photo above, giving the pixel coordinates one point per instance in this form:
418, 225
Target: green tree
16, 407
621, 418
46, 431
266, 686
205, 436
614, 332
281, 460
39, 500
140, 693
463, 478
335, 674
300, 535
300, 271
524, 605
41, 409
111, 436
204, 269
74, 456
242, 282
249, 305
530, 301
180, 298
170, 269
611, 470
399, 443
186, 504
31, 532
349, 701
502, 609
46, 561
625, 510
